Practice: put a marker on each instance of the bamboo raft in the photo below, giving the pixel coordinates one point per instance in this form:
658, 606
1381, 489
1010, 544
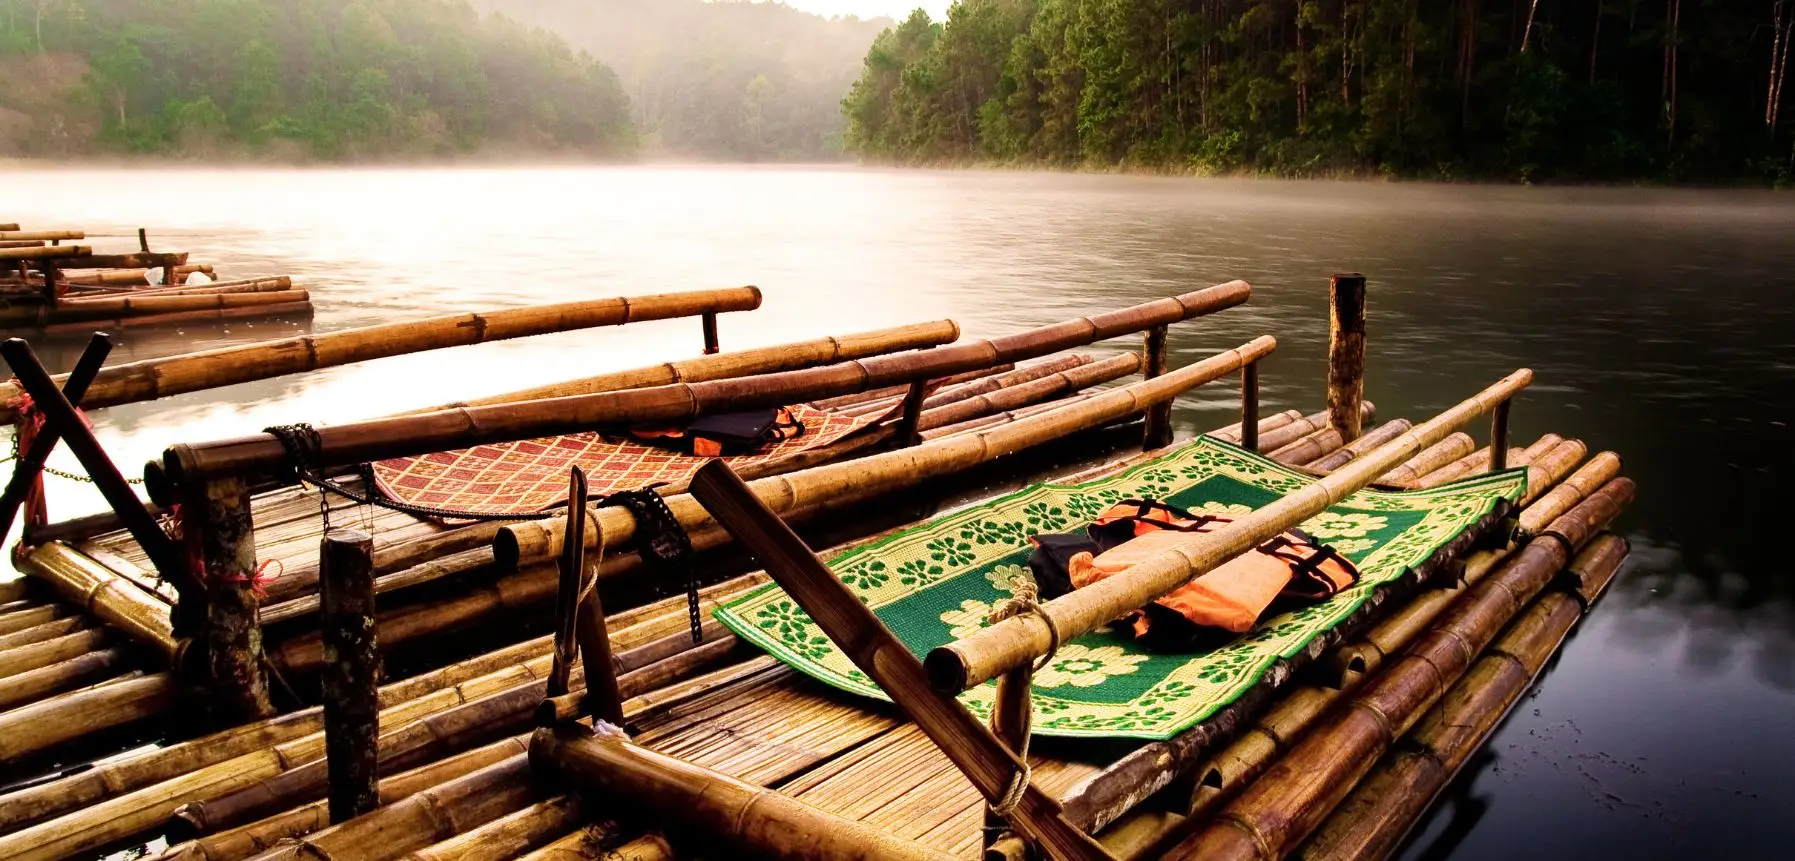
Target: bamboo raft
56, 289
540, 700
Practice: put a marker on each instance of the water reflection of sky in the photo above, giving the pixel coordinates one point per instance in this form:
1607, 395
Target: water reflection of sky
1661, 324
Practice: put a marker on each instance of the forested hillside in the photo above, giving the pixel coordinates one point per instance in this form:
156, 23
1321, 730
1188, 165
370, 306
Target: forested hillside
1550, 89
726, 80
329, 79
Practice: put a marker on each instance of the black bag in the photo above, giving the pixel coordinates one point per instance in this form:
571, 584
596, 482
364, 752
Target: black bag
726, 434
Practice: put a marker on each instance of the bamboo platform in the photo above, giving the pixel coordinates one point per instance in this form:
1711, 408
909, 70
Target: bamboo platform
486, 748
49, 288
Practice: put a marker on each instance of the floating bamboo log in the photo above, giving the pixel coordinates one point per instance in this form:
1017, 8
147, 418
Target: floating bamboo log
55, 650
282, 309
995, 649
842, 403
708, 804
1059, 383
132, 307
39, 633
248, 285
1231, 433
1439, 454
1599, 471
1290, 432
837, 484
945, 395
409, 435
1286, 805
158, 378
1375, 819
30, 617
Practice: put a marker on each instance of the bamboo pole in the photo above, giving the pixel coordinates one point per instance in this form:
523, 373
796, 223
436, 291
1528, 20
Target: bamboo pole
158, 378
133, 793
1597, 472
351, 673
282, 309
46, 631
33, 686
711, 804
40, 726
1376, 818
849, 403
986, 654
408, 435
108, 597
510, 835
1378, 436
1249, 407
246, 285
1346, 353
741, 363
1439, 454
1013, 397
127, 307
45, 252
840, 483
41, 235
55, 650
995, 770
260, 836
1285, 806
1232, 434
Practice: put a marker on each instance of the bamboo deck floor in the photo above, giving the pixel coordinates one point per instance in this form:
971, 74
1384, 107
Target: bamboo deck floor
854, 758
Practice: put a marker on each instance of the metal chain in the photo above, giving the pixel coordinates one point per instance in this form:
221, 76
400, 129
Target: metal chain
50, 470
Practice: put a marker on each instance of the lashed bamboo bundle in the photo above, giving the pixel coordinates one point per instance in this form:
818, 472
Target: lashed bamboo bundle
245, 285
113, 801
1439, 454
157, 378
134, 260
1019, 639
126, 279
1378, 436
950, 394
396, 437
89, 310
1287, 804
39, 633
22, 618
108, 596
843, 402
54, 650
138, 321
837, 484
30, 729
35, 685
1373, 821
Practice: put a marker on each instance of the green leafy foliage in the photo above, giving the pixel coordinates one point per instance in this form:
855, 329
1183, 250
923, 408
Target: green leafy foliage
1608, 90
331, 79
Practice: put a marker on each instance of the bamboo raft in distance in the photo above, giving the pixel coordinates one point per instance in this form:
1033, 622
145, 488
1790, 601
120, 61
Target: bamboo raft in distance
735, 752
55, 289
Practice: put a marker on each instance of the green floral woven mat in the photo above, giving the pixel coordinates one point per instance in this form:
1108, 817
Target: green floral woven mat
938, 581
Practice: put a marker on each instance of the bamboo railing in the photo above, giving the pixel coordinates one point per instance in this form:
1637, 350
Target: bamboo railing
158, 378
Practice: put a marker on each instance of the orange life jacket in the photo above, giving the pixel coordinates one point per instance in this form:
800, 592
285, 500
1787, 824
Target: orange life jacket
1235, 594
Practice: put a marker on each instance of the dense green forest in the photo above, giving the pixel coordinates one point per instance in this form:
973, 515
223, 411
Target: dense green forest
298, 79
723, 80
1680, 90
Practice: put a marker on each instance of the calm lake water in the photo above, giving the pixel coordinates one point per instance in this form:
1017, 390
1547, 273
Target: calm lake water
1661, 324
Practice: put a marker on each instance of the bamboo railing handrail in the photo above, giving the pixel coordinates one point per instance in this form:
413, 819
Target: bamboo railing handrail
737, 363
537, 540
46, 252
42, 235
987, 654
421, 434
157, 378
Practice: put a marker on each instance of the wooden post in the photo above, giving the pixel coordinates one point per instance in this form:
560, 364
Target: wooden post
27, 483
909, 429
351, 674
604, 697
1159, 416
709, 320
50, 272
1011, 719
1346, 354
990, 766
1499, 437
143, 240
572, 566
216, 520
1249, 406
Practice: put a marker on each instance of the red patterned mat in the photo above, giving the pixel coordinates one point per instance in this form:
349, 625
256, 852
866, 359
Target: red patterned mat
531, 475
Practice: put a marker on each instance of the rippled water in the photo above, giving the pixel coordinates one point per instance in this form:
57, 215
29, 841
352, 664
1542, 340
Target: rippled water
1661, 324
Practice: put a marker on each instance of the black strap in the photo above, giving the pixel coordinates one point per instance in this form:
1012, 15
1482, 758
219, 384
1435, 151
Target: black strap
664, 545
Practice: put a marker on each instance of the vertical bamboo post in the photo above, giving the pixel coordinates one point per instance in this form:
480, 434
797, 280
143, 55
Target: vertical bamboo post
909, 431
216, 520
1011, 717
1159, 416
351, 673
143, 240
709, 320
50, 283
1249, 406
1346, 354
1499, 437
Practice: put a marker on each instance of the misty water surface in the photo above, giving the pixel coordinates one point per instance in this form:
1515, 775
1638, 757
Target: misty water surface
1661, 324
